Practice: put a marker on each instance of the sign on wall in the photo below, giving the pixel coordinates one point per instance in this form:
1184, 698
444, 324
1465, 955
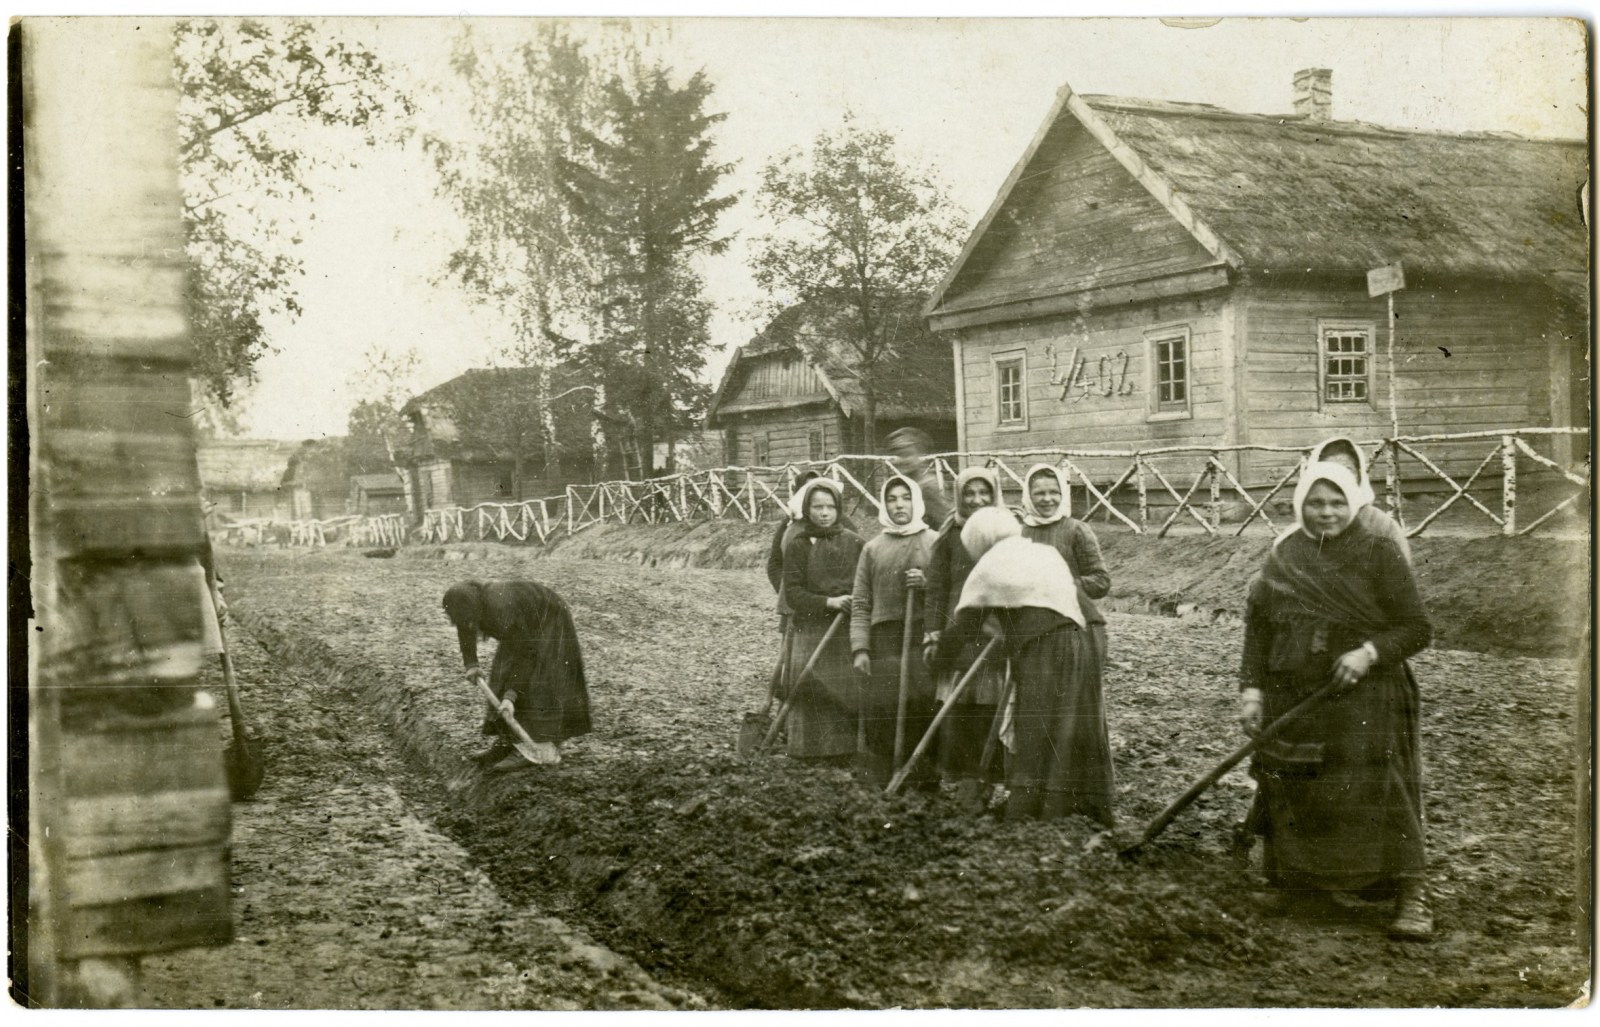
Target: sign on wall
1107, 376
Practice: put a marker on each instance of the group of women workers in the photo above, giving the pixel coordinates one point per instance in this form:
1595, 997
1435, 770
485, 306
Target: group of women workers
1333, 615
852, 609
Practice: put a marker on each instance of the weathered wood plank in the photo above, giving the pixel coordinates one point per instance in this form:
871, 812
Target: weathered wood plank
101, 880
105, 824
182, 758
158, 923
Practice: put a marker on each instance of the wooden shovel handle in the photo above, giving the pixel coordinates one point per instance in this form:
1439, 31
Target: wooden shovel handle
799, 681
905, 677
494, 701
1266, 734
938, 718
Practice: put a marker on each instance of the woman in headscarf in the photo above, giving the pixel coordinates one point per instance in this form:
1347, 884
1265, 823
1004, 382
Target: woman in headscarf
966, 726
537, 673
1340, 450
1024, 592
819, 571
1339, 790
891, 564
1045, 521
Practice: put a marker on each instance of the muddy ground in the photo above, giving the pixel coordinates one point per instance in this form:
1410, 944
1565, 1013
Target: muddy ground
345, 898
770, 884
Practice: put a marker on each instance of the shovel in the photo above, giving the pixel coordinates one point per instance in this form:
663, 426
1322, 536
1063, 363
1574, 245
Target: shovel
244, 757
524, 744
1266, 734
756, 725
938, 718
799, 681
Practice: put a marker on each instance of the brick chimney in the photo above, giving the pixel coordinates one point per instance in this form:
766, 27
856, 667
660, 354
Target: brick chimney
1313, 93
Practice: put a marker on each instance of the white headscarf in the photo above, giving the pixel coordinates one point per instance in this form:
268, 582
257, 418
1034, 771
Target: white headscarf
1013, 572
1365, 480
1335, 475
797, 504
988, 474
912, 527
1031, 516
796, 511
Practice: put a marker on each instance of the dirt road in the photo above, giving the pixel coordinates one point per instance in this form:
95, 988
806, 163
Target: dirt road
779, 885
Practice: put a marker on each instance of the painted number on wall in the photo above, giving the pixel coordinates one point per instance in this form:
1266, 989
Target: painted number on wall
1107, 376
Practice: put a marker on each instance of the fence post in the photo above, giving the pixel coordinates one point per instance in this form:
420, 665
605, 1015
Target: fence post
1144, 494
1216, 492
1508, 465
569, 509
1395, 497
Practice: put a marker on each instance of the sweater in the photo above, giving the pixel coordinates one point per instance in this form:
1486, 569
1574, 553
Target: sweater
879, 593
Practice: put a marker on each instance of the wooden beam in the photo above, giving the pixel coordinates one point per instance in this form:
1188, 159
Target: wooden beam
1112, 294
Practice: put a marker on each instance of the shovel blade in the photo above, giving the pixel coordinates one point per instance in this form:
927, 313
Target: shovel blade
245, 766
752, 731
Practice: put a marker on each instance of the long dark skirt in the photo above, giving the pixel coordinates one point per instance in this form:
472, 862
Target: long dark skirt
553, 704
966, 727
880, 702
1061, 757
1340, 789
823, 720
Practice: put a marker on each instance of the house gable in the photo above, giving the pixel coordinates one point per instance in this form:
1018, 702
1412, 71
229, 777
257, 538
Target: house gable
776, 379
1079, 215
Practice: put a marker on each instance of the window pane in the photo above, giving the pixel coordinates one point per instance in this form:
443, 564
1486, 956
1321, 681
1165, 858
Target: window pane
1172, 372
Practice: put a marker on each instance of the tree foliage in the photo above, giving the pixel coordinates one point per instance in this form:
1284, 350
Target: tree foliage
643, 189
249, 90
588, 189
375, 431
859, 238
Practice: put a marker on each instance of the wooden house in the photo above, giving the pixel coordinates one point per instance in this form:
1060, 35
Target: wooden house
481, 438
783, 399
373, 495
318, 480
242, 479
1157, 273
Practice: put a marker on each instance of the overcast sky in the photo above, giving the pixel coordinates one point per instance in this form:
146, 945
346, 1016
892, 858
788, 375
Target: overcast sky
964, 96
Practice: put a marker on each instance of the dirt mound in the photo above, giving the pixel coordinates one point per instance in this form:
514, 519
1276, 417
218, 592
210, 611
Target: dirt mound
1487, 594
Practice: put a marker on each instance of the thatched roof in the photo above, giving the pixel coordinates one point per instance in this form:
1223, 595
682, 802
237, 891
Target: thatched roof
475, 398
243, 465
918, 382
1289, 193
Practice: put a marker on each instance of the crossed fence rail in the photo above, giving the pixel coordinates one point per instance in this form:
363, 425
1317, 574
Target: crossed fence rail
1147, 491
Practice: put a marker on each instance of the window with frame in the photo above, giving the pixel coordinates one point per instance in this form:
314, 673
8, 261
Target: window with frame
1346, 363
815, 446
1011, 397
760, 448
1169, 361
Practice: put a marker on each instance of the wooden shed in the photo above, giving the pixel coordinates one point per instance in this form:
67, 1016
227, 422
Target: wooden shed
244, 477
372, 495
481, 437
1156, 273
318, 479
782, 400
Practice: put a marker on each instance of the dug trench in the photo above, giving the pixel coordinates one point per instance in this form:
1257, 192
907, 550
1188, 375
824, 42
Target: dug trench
769, 884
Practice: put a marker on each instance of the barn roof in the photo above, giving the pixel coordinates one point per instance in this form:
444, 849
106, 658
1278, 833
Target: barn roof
1292, 193
921, 382
388, 481
243, 465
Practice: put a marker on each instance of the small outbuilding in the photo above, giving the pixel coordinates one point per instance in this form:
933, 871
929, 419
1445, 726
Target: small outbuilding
788, 396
